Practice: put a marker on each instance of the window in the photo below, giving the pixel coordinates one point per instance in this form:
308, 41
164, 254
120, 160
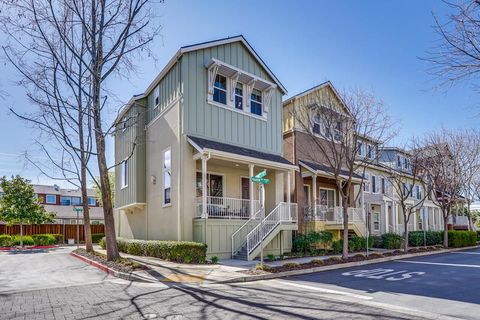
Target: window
239, 96
76, 201
123, 125
360, 148
337, 132
306, 194
384, 186
399, 161
220, 89
124, 173
366, 185
65, 201
256, 102
420, 219
374, 184
214, 185
92, 201
406, 164
316, 124
51, 199
371, 151
327, 197
376, 221
419, 192
167, 176
156, 96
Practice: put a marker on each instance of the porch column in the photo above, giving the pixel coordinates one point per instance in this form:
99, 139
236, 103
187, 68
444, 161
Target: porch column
385, 206
314, 191
362, 202
288, 197
395, 217
250, 189
415, 222
204, 187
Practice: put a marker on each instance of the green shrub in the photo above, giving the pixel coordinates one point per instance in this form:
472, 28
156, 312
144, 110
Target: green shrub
317, 261
6, 240
458, 239
27, 240
102, 243
271, 257
307, 242
392, 241
59, 238
264, 267
43, 239
416, 238
96, 237
337, 246
175, 251
375, 255
214, 260
375, 242
334, 259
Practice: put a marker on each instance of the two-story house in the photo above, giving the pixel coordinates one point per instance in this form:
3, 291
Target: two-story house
189, 145
309, 137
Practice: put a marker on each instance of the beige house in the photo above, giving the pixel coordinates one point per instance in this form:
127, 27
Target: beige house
189, 145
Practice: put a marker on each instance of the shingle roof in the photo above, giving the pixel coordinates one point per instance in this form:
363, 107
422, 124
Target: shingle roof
224, 147
321, 167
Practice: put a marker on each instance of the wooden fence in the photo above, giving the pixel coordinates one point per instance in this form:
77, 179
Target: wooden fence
69, 231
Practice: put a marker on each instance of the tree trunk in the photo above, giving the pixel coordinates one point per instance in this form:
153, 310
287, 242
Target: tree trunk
21, 235
345, 231
445, 231
405, 234
86, 214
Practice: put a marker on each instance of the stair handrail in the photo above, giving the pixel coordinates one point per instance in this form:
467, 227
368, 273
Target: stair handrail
255, 217
282, 212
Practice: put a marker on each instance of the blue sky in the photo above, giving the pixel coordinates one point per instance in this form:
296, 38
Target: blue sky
369, 44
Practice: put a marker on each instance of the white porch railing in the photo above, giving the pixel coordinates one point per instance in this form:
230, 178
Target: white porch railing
226, 208
458, 220
333, 215
239, 237
283, 212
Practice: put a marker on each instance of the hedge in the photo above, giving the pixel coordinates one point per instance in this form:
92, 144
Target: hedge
416, 238
27, 240
392, 240
44, 239
96, 237
177, 251
458, 239
59, 239
6, 240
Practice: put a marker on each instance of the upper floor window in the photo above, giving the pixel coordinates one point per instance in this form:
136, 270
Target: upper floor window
384, 186
374, 184
156, 96
337, 132
316, 124
256, 102
419, 192
65, 201
124, 173
220, 89
50, 199
76, 201
239, 96
371, 151
399, 161
92, 201
360, 150
366, 185
167, 176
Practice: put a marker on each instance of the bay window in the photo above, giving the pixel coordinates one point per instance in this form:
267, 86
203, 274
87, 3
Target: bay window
220, 89
167, 176
256, 102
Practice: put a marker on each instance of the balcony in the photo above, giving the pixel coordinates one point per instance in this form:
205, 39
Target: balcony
227, 208
333, 215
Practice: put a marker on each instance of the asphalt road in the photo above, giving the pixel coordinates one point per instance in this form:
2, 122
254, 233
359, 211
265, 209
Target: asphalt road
445, 284
57, 286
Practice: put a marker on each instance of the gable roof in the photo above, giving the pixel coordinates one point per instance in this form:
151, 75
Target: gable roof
321, 168
326, 84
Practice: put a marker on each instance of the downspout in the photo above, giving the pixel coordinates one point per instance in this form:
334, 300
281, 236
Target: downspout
180, 157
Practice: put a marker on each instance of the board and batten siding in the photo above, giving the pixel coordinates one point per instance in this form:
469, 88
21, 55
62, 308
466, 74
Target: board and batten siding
170, 90
216, 123
124, 144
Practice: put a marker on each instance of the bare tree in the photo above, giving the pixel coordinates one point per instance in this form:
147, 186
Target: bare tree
445, 156
103, 38
409, 189
335, 128
457, 54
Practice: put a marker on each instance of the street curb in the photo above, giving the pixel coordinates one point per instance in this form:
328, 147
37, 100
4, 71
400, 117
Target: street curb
285, 274
110, 271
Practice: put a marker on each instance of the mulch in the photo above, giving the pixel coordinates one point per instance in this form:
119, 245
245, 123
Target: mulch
121, 265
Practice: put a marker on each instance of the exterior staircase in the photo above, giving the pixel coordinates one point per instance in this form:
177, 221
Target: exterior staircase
262, 231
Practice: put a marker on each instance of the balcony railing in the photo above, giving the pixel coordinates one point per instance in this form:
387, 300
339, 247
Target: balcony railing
333, 215
458, 220
226, 208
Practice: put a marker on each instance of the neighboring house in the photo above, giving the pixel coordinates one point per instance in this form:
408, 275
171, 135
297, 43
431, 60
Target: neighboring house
188, 146
381, 196
62, 201
314, 187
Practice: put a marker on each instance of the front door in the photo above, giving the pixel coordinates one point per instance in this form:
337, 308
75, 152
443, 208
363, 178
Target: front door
245, 188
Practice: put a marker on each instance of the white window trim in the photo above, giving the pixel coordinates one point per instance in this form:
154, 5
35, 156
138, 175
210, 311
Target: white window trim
124, 178
230, 105
163, 177
373, 220
328, 189
46, 197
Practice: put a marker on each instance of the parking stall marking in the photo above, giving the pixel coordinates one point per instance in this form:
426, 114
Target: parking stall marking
385, 274
442, 264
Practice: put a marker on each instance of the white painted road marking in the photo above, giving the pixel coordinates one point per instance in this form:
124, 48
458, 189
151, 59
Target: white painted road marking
386, 274
323, 290
442, 264
465, 252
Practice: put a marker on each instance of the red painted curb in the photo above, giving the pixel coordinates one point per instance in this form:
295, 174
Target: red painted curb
95, 264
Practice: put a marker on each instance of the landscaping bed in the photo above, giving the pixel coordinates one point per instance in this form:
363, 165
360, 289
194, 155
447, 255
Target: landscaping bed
288, 266
121, 264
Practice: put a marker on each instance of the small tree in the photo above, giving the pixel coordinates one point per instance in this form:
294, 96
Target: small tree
19, 204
